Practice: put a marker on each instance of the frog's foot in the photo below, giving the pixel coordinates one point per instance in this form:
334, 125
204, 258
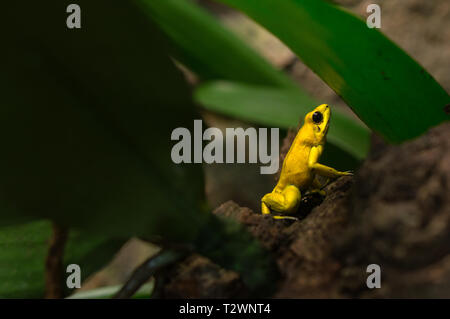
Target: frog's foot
347, 173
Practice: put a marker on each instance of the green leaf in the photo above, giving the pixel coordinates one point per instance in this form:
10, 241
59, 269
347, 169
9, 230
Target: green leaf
23, 250
388, 90
209, 49
283, 108
86, 118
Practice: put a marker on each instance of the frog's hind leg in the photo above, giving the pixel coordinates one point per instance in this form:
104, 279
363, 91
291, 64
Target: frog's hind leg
286, 201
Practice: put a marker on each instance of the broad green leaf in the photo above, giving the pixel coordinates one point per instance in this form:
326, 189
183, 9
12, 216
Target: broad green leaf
23, 250
388, 90
278, 107
107, 292
86, 117
209, 49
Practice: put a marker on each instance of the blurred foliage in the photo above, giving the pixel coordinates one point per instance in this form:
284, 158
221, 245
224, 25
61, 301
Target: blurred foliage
86, 120
207, 48
388, 90
76, 126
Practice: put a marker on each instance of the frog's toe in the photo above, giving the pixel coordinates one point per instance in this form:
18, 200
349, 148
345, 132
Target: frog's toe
265, 210
284, 217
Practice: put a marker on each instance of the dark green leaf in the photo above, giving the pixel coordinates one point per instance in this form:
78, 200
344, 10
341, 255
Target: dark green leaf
86, 118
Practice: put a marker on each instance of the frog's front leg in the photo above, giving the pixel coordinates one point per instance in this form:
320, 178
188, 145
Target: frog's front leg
285, 202
321, 169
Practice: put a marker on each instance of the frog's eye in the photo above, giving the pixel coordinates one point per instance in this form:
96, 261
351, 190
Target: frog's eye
317, 117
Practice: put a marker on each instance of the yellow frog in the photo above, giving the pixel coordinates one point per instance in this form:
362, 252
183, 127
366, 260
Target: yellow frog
301, 166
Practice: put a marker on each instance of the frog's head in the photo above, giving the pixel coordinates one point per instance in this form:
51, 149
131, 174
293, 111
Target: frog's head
318, 122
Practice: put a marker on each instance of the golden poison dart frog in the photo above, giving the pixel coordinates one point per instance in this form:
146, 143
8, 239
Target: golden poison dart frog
301, 167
